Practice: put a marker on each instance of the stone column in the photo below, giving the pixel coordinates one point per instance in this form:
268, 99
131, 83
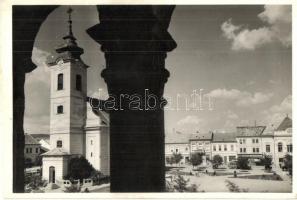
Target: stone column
135, 42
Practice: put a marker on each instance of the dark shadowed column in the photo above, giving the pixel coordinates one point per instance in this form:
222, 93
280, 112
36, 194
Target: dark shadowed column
135, 41
26, 23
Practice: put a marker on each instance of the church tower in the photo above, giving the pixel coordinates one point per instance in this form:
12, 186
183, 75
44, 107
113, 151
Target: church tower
68, 96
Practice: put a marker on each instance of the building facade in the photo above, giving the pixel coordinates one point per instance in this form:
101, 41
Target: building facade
177, 143
252, 142
32, 150
201, 143
249, 141
283, 141
225, 145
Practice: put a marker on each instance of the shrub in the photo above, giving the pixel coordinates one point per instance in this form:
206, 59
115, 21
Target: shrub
196, 159
176, 158
288, 163
232, 186
169, 160
216, 161
34, 182
79, 168
243, 163
180, 184
267, 162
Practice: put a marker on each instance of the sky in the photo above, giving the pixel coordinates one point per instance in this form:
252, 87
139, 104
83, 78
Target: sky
238, 57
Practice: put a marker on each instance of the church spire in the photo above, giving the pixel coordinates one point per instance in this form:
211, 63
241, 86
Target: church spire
69, 11
69, 50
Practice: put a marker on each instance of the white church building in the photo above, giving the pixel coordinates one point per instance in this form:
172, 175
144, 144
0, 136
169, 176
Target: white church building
75, 129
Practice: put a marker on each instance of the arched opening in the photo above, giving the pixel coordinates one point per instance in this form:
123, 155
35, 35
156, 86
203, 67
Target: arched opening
60, 82
52, 174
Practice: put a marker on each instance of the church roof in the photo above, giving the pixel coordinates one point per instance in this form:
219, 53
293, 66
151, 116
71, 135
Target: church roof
56, 152
30, 140
285, 124
250, 131
97, 108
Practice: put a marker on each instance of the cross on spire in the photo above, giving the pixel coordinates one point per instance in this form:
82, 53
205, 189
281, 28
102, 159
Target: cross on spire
69, 11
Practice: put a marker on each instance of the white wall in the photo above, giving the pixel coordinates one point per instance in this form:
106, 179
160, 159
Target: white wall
60, 163
225, 154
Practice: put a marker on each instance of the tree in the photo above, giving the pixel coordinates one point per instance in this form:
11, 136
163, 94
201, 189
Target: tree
169, 160
79, 168
216, 161
288, 163
267, 161
243, 163
196, 159
176, 158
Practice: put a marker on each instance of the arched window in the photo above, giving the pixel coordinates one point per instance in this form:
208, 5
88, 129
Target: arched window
60, 109
280, 147
59, 143
60, 82
78, 82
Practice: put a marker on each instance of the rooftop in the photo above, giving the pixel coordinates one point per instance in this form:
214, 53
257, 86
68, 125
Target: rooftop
250, 131
30, 140
56, 152
176, 137
201, 136
224, 137
285, 124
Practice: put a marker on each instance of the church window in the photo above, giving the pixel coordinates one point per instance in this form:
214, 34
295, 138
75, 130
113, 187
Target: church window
91, 154
59, 143
60, 109
36, 150
91, 142
60, 82
78, 82
30, 150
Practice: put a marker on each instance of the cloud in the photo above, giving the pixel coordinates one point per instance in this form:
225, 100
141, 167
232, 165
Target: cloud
279, 28
42, 72
241, 98
276, 113
285, 106
190, 119
231, 115
190, 124
37, 95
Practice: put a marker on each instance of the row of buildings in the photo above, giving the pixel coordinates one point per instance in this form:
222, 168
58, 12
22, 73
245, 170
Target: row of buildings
247, 141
